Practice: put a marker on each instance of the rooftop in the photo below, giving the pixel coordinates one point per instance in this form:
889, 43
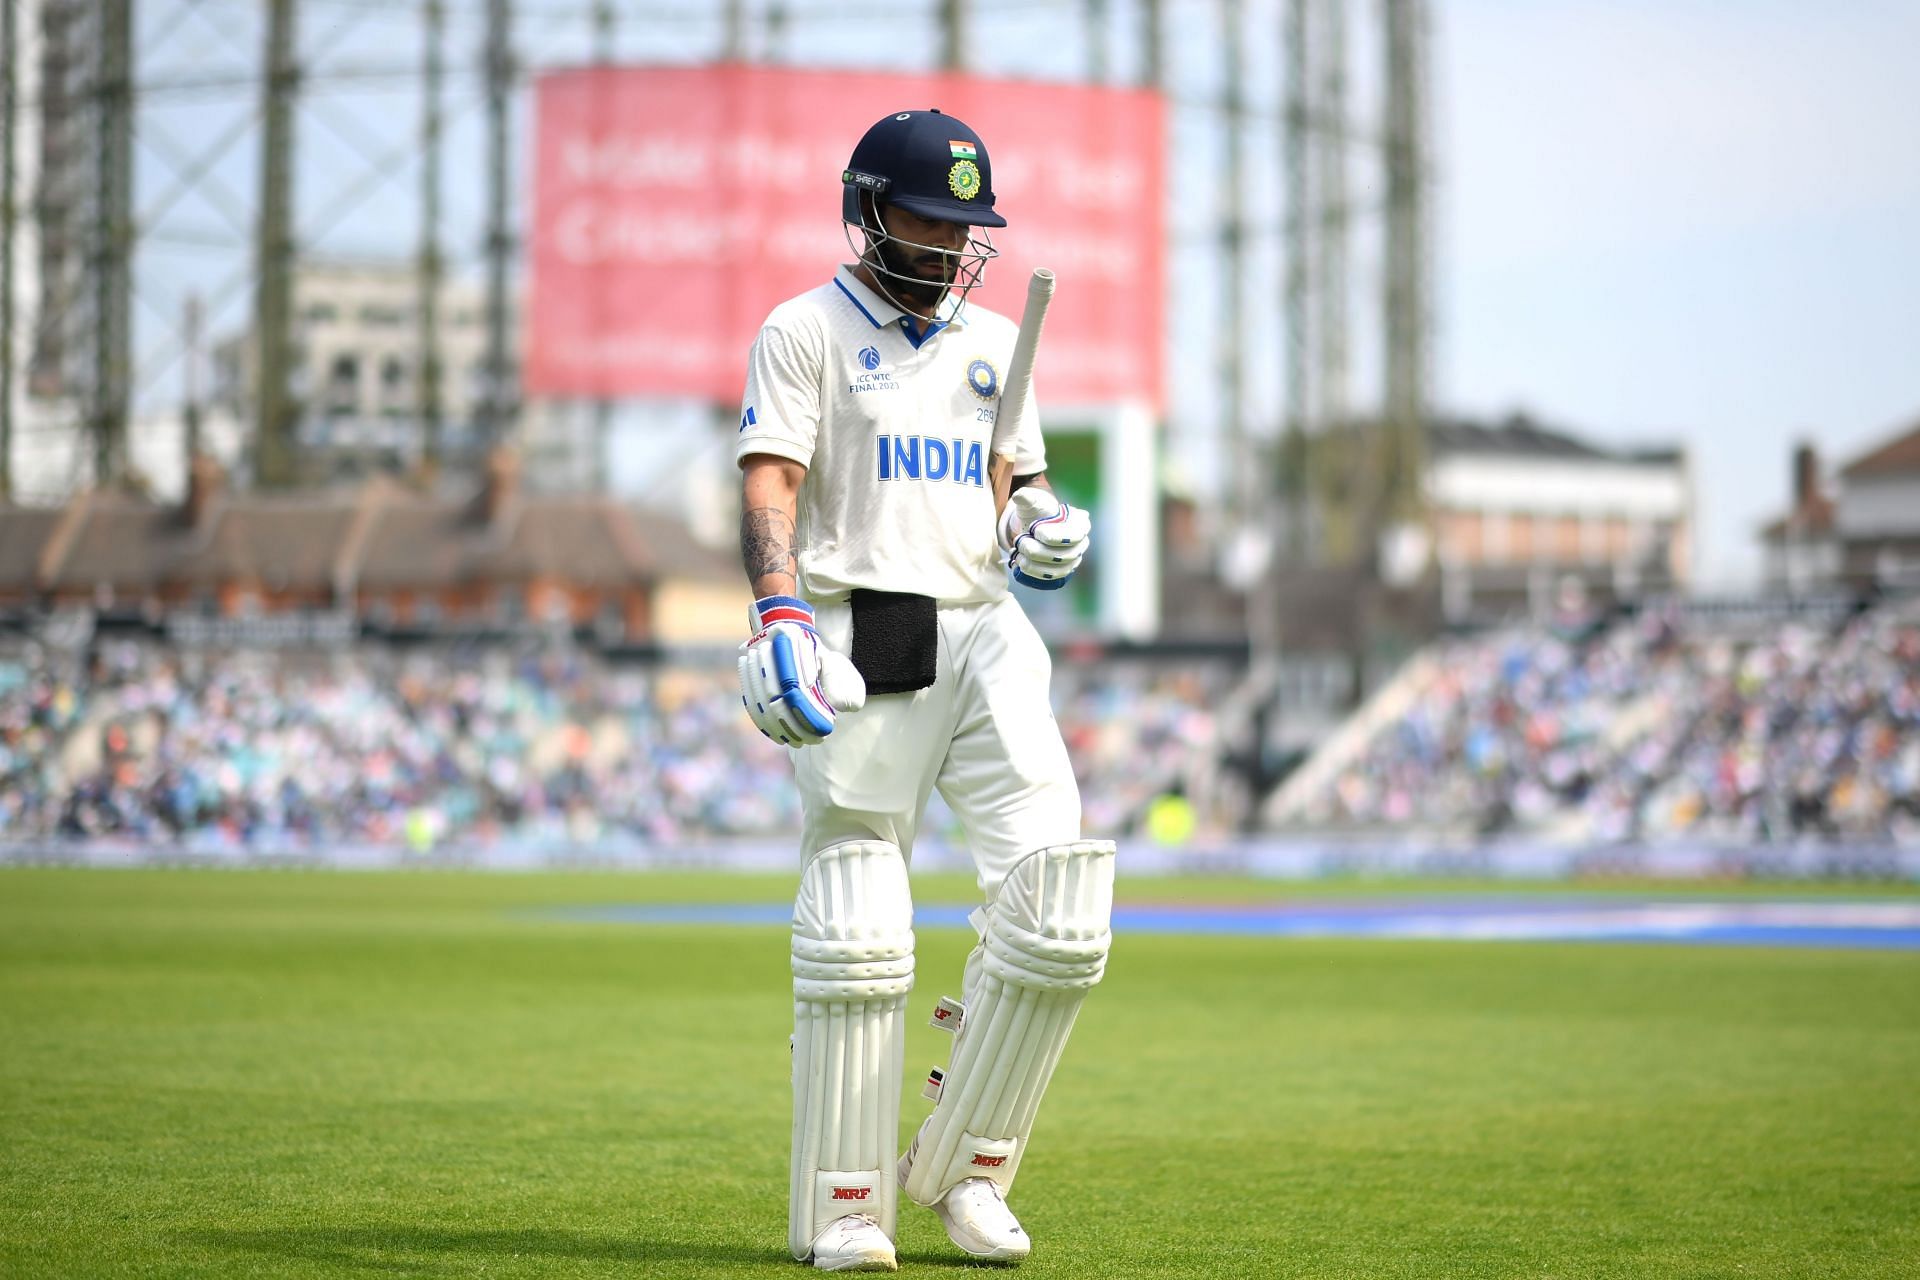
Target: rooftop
1899, 456
1812, 519
1518, 435
380, 533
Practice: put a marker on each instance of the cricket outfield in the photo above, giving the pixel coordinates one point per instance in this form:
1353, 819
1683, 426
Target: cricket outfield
452, 1074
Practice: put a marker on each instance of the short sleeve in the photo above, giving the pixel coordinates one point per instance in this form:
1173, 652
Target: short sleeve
781, 412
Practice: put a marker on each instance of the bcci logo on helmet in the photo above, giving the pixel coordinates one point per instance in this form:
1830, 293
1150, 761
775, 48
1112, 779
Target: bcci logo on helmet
869, 357
982, 377
963, 179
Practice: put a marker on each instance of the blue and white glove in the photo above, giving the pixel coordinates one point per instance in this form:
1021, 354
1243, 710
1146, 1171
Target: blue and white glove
1045, 539
792, 685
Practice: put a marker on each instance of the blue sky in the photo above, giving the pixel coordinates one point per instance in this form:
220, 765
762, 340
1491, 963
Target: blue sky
1684, 220
1653, 220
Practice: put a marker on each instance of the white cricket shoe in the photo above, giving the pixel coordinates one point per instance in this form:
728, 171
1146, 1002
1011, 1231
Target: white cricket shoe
854, 1243
977, 1219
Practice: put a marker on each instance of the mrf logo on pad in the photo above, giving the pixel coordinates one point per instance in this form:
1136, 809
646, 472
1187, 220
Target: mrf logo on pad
851, 1193
989, 1162
947, 1015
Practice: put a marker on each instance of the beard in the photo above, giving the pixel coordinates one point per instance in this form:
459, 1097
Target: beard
918, 276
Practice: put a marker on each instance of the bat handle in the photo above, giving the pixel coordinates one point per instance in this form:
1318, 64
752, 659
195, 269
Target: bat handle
1000, 472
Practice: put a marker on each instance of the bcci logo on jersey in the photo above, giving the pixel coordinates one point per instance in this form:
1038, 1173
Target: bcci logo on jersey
929, 458
984, 379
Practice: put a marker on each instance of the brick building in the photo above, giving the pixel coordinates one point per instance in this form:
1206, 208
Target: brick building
1858, 532
1802, 548
379, 553
1517, 509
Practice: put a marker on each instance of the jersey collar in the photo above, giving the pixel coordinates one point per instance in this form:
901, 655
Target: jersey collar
882, 314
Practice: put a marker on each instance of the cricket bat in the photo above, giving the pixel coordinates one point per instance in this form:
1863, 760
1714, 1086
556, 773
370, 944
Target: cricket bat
1013, 396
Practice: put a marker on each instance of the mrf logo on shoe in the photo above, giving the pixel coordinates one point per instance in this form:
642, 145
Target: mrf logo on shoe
851, 1193
989, 1162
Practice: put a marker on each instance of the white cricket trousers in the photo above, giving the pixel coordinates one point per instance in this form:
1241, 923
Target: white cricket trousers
983, 733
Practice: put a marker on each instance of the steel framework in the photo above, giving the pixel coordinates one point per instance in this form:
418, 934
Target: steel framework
281, 166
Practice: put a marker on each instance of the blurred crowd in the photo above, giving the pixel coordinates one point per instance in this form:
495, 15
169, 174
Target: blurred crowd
249, 749
1660, 726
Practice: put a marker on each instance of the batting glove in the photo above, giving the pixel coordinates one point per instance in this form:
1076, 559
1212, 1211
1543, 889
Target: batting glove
1044, 537
792, 685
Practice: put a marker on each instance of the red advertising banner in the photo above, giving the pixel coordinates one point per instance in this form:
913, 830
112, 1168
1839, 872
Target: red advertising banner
674, 207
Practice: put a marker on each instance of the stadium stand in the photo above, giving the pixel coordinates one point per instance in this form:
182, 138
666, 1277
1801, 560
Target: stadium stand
551, 745
1754, 723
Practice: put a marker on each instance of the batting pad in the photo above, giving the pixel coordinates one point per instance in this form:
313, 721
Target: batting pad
852, 970
1043, 945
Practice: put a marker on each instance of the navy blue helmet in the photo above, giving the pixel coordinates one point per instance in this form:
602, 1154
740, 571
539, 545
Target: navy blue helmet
935, 168
927, 163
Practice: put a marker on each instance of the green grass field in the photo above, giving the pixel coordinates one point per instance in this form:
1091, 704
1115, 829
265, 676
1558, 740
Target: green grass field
292, 1073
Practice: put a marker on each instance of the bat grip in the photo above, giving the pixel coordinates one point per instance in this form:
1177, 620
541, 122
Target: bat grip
1000, 472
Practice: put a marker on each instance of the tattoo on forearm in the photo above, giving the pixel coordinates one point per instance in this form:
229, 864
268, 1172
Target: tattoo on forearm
768, 544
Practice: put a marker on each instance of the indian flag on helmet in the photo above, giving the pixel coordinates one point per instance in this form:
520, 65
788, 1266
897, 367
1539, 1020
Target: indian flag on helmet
963, 150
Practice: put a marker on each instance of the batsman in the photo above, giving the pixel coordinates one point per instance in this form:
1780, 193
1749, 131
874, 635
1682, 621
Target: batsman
889, 654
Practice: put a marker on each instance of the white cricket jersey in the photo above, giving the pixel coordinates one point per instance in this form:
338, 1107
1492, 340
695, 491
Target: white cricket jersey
895, 432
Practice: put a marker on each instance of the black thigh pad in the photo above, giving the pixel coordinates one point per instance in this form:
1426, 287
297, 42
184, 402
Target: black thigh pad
895, 640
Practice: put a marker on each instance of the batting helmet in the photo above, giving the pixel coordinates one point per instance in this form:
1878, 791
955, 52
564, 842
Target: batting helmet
927, 163
935, 168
